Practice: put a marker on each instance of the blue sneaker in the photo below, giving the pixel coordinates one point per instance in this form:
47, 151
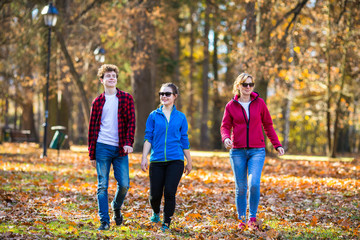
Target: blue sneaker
164, 227
104, 226
155, 218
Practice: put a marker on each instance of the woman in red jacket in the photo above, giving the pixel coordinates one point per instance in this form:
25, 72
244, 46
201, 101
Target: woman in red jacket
241, 132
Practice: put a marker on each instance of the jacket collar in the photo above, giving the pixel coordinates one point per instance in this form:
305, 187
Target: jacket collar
253, 96
159, 110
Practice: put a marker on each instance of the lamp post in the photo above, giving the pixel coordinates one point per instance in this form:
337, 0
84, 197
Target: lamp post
50, 16
99, 53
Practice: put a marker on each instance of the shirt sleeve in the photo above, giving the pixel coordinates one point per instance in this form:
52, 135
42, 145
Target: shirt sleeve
184, 134
130, 113
268, 127
91, 132
149, 130
226, 124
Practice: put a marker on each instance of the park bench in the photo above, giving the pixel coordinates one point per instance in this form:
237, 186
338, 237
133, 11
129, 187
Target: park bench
19, 135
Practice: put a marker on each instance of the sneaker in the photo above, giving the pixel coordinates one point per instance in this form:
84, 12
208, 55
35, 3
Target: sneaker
165, 227
104, 226
155, 218
117, 217
252, 224
242, 226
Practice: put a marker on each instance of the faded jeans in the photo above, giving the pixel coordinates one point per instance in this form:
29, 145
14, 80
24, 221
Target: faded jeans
247, 165
105, 156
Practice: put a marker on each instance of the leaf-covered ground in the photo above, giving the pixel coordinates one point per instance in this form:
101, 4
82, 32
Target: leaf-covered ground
56, 198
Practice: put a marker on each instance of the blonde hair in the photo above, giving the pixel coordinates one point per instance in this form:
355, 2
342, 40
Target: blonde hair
239, 80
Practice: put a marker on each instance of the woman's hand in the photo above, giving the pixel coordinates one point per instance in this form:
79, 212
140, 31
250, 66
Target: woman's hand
188, 168
228, 143
280, 151
144, 164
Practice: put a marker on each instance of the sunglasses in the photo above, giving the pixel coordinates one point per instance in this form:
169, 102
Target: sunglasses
248, 84
167, 94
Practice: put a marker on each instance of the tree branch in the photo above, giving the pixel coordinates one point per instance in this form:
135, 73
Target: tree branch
342, 12
87, 9
288, 26
76, 76
2, 4
295, 11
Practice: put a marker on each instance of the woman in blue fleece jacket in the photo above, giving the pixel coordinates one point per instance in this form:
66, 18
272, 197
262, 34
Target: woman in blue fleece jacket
166, 136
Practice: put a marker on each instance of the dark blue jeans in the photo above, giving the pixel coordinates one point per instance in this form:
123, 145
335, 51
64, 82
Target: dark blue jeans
105, 156
247, 165
164, 179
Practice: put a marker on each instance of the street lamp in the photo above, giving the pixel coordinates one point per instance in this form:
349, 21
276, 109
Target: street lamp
99, 53
50, 16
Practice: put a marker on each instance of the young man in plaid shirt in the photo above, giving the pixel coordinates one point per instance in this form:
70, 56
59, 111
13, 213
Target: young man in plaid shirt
111, 136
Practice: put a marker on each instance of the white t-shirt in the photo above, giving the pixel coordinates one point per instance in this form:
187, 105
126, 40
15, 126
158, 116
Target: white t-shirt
246, 107
109, 122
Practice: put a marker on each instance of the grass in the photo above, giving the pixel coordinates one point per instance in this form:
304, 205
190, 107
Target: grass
56, 198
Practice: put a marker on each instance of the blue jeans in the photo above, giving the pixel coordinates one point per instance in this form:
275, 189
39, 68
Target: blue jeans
105, 156
247, 165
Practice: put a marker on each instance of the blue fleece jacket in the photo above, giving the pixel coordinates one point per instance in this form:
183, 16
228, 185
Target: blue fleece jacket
168, 139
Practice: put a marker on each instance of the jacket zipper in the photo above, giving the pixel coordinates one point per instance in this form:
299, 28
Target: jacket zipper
167, 126
247, 124
248, 127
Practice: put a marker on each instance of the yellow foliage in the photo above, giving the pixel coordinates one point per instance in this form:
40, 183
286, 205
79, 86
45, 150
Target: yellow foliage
290, 59
336, 87
282, 73
297, 49
111, 32
305, 73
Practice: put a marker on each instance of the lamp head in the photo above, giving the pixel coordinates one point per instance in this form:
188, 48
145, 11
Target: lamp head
50, 15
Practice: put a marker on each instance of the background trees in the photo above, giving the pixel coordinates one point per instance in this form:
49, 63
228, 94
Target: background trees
303, 53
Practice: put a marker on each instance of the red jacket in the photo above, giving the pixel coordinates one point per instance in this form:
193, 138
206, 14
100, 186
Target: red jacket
244, 132
126, 121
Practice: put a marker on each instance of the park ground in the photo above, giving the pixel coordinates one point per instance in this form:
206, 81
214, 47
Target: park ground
55, 198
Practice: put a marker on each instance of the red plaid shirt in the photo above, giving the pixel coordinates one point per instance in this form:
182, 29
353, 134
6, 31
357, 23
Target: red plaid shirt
126, 121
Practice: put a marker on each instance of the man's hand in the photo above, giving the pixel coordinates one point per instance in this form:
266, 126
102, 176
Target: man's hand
128, 149
93, 162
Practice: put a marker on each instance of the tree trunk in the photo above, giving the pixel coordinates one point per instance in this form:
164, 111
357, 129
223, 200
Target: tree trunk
176, 59
338, 110
251, 21
190, 112
289, 97
204, 139
142, 63
218, 105
28, 117
328, 92
262, 42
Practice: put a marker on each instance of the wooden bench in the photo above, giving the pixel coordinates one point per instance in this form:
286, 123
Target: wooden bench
20, 135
